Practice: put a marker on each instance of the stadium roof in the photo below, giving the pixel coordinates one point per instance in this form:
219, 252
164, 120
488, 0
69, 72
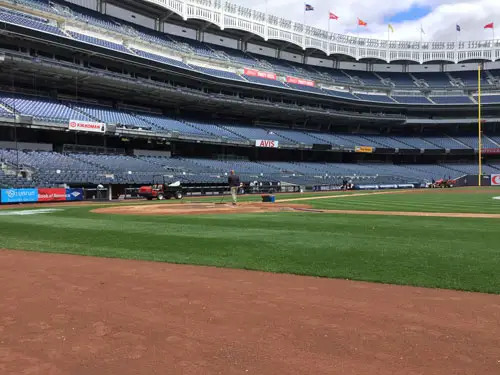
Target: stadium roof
226, 15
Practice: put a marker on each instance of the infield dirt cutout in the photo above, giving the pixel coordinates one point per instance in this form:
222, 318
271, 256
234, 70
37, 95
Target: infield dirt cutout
66, 314
202, 208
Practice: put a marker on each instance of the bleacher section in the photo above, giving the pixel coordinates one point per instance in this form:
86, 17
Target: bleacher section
171, 125
367, 78
444, 142
435, 80
110, 115
162, 59
40, 108
29, 22
400, 80
52, 169
189, 48
451, 99
375, 98
217, 73
489, 99
50, 110
411, 99
265, 81
98, 42
468, 78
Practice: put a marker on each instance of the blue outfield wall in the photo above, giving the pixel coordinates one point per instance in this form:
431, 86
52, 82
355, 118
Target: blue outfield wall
19, 195
33, 196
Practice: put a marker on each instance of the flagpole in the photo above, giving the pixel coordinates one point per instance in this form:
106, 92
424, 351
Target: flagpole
304, 20
304, 28
480, 146
266, 31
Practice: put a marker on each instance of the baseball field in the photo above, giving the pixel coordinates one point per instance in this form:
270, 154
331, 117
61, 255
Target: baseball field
199, 286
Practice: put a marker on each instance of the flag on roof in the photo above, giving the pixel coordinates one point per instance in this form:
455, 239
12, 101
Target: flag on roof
422, 29
308, 7
458, 28
333, 16
361, 22
489, 26
391, 28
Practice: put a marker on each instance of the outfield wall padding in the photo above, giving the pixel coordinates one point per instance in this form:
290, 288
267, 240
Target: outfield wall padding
34, 195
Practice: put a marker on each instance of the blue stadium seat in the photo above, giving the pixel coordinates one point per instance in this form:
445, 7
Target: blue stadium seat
41, 108
451, 99
374, 97
434, 79
399, 79
28, 21
411, 99
217, 72
98, 42
162, 59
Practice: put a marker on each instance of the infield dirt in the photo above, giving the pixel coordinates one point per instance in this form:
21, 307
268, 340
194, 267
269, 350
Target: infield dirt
63, 314
256, 207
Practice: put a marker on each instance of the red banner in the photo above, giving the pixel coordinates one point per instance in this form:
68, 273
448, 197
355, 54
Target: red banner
257, 73
51, 194
491, 151
495, 179
87, 126
300, 81
266, 143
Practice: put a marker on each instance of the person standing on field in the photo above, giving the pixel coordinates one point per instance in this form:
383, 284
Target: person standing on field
234, 184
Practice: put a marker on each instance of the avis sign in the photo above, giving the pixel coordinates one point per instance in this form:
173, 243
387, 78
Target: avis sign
264, 143
495, 179
87, 126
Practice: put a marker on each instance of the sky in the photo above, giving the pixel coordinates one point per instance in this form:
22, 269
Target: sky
437, 17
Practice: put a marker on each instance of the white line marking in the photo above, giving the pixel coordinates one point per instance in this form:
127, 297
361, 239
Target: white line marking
341, 196
29, 212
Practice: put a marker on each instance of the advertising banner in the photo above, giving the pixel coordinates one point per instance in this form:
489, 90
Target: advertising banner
40, 195
366, 187
268, 144
258, 73
495, 180
18, 195
300, 81
491, 151
364, 149
267, 75
87, 126
51, 194
74, 194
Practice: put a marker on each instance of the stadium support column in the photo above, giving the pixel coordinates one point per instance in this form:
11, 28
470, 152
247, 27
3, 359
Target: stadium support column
110, 192
101, 6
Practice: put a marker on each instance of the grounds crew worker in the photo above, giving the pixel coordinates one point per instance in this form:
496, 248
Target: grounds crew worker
234, 184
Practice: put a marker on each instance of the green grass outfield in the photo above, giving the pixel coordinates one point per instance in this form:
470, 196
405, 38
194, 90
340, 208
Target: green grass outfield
455, 253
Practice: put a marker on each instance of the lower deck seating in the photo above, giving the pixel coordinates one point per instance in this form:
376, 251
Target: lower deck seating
52, 169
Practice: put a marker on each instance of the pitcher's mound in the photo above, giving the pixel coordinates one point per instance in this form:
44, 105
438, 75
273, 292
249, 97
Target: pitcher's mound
199, 208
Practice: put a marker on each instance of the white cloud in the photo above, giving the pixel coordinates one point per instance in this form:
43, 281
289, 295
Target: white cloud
439, 24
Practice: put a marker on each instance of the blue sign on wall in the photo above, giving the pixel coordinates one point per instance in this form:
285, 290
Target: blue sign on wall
19, 195
74, 194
